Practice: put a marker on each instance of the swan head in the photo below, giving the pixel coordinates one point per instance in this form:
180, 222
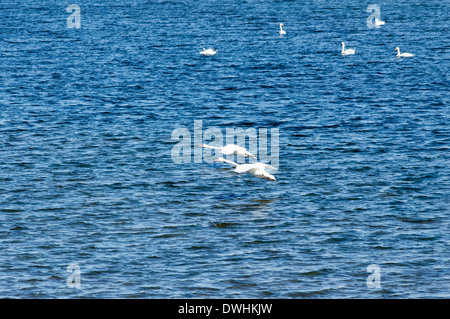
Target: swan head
220, 159
397, 49
281, 25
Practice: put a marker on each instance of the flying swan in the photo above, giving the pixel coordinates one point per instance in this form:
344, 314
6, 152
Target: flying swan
281, 29
403, 55
348, 51
208, 52
230, 149
256, 169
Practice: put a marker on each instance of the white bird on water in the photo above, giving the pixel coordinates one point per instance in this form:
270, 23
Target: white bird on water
403, 55
256, 169
208, 52
348, 51
281, 29
230, 149
378, 22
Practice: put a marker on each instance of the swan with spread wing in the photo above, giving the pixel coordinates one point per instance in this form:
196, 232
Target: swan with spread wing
256, 169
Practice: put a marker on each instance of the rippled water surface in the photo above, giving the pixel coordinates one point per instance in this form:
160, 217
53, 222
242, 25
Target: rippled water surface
87, 177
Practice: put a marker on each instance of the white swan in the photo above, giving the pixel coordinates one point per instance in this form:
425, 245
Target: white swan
256, 169
281, 29
230, 149
348, 51
208, 52
378, 22
403, 55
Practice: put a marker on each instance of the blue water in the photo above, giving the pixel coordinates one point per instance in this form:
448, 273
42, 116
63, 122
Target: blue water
87, 177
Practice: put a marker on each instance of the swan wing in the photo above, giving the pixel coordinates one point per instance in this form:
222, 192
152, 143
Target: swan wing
263, 174
230, 149
268, 176
246, 153
270, 166
245, 168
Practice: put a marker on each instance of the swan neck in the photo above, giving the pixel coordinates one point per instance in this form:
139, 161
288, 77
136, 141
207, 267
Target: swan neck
229, 162
211, 147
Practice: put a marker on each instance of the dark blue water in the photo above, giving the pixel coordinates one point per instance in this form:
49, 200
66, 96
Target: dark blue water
87, 177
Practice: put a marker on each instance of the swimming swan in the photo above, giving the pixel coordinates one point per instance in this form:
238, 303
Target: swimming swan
256, 169
230, 149
378, 22
208, 52
403, 55
348, 51
281, 29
